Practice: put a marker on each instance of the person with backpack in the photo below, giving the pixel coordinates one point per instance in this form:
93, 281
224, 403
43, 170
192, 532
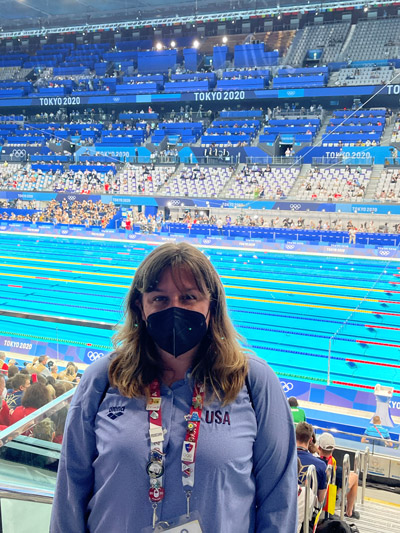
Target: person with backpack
180, 425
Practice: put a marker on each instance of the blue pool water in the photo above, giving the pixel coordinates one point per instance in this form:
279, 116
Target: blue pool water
297, 312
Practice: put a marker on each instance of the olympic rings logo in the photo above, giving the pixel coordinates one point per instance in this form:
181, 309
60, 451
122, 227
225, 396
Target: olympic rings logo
64, 232
206, 241
175, 202
71, 198
93, 356
286, 386
18, 153
289, 246
384, 252
295, 207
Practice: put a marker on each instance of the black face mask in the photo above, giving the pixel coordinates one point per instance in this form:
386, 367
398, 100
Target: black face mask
177, 330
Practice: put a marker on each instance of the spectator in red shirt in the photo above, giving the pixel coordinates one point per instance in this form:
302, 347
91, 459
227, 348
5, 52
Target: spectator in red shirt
4, 409
35, 397
3, 364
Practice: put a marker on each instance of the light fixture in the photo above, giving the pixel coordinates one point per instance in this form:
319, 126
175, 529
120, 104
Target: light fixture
173, 44
225, 39
196, 43
158, 46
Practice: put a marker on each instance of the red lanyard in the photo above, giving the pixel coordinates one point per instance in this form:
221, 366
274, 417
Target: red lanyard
155, 466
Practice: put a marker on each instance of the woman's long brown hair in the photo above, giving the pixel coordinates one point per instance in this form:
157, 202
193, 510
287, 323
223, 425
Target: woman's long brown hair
220, 364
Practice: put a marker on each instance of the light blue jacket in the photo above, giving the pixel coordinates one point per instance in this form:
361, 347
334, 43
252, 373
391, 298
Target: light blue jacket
246, 461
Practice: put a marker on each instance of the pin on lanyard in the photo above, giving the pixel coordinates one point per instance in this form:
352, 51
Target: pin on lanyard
155, 466
189, 447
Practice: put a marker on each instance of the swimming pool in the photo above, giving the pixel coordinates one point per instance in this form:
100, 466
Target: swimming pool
301, 313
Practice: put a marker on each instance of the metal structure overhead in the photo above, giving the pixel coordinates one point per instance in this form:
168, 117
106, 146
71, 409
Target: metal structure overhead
44, 13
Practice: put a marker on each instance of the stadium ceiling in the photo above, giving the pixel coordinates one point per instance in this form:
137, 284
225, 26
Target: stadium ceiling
42, 17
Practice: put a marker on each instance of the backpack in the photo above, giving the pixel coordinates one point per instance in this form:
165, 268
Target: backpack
336, 526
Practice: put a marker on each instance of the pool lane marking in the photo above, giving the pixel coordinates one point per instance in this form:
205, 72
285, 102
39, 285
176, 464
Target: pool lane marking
64, 262
358, 385
304, 293
305, 284
68, 280
277, 291
263, 289
361, 341
259, 300
373, 363
61, 270
381, 327
295, 304
222, 277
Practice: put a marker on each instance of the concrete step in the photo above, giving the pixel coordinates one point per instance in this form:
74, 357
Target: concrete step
322, 130
377, 517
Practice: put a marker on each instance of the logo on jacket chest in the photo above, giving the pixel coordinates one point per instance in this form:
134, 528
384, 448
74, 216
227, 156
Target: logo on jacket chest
217, 417
115, 411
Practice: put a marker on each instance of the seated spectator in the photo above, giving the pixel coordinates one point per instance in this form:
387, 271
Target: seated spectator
52, 391
19, 383
301, 500
70, 373
62, 387
377, 434
44, 430
59, 419
298, 414
34, 397
29, 366
3, 364
41, 366
326, 447
4, 409
12, 371
304, 434
53, 369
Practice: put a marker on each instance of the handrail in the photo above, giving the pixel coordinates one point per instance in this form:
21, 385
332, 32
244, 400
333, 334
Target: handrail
24, 493
345, 483
357, 462
365, 473
34, 418
341, 433
311, 487
330, 479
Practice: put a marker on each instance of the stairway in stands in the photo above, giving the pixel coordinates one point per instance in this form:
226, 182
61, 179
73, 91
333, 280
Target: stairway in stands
376, 517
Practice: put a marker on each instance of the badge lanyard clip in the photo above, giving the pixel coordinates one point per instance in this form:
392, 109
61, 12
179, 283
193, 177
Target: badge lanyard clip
188, 495
154, 515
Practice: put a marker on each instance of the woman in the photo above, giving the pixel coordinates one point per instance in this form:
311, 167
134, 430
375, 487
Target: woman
167, 425
34, 397
69, 374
